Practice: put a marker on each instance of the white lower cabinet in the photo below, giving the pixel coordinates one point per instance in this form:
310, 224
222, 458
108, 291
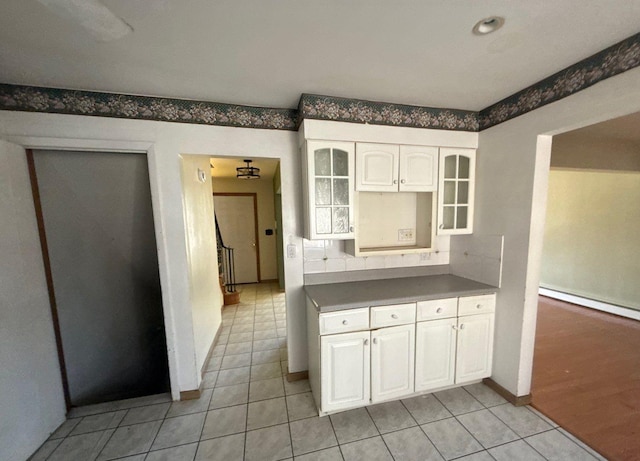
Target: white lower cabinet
455, 350
475, 347
345, 370
362, 356
392, 362
435, 354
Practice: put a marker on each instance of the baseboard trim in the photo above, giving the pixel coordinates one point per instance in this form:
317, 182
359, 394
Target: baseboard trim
213, 344
196, 393
297, 376
517, 401
626, 312
190, 395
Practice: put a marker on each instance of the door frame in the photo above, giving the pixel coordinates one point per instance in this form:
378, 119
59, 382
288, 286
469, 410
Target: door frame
46, 262
255, 220
44, 247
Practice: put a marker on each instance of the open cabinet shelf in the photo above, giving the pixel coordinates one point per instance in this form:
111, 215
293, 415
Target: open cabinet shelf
393, 223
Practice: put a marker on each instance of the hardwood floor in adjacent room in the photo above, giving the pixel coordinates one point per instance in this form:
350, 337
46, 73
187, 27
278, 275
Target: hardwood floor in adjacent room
586, 376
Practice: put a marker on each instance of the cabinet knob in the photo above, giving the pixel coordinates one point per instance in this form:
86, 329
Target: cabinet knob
402, 181
462, 326
478, 306
439, 310
366, 342
375, 340
454, 327
395, 181
344, 322
350, 228
394, 316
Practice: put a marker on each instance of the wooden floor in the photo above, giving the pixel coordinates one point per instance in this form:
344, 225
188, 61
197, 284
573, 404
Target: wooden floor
586, 376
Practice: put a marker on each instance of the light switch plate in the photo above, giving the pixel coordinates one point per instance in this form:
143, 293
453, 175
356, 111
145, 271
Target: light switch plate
291, 251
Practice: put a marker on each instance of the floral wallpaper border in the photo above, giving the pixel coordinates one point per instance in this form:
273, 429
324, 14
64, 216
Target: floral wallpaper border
61, 101
616, 59
381, 113
612, 61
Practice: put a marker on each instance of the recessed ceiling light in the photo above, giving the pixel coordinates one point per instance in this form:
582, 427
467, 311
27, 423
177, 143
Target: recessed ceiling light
487, 25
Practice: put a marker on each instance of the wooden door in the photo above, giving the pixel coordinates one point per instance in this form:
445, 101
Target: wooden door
392, 362
345, 362
236, 215
101, 260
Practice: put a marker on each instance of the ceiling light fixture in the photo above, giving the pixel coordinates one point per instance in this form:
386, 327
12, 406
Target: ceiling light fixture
248, 171
487, 25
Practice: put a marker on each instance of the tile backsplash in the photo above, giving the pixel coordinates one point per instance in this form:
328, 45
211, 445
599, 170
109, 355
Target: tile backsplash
477, 257
330, 256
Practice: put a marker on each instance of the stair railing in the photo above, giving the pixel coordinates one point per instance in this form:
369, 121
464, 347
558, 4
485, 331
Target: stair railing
226, 264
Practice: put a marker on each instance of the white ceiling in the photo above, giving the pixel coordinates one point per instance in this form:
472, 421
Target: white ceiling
268, 52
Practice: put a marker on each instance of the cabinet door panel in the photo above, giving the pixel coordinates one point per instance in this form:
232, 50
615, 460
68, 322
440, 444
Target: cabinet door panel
418, 169
345, 371
456, 187
329, 175
392, 362
377, 167
475, 347
435, 354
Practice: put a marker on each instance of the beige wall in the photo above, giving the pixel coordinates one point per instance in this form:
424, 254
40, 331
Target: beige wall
266, 218
573, 150
591, 246
204, 289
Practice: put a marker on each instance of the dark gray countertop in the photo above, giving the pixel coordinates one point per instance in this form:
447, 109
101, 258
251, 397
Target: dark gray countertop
351, 295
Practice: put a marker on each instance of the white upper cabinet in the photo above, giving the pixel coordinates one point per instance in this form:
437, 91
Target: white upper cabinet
329, 174
377, 167
393, 168
456, 191
418, 169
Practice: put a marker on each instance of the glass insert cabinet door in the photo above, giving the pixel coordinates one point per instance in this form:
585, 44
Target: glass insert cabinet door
330, 176
456, 186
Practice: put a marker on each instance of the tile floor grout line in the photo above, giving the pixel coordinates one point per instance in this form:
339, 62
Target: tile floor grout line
286, 407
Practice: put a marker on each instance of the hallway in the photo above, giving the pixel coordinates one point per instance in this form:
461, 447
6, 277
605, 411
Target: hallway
586, 376
249, 411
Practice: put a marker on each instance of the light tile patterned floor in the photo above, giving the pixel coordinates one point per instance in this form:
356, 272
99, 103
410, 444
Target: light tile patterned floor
248, 411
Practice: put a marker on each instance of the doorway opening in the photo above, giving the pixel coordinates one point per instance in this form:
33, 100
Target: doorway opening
99, 250
584, 359
247, 213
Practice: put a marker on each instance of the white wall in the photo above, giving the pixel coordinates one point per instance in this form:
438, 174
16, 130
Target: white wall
513, 171
164, 142
31, 397
204, 288
263, 188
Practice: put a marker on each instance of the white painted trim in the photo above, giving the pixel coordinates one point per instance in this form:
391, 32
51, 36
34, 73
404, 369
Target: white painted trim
327, 130
591, 303
106, 145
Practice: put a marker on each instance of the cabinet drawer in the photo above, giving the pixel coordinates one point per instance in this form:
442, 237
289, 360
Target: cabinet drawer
477, 304
397, 314
344, 321
437, 309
